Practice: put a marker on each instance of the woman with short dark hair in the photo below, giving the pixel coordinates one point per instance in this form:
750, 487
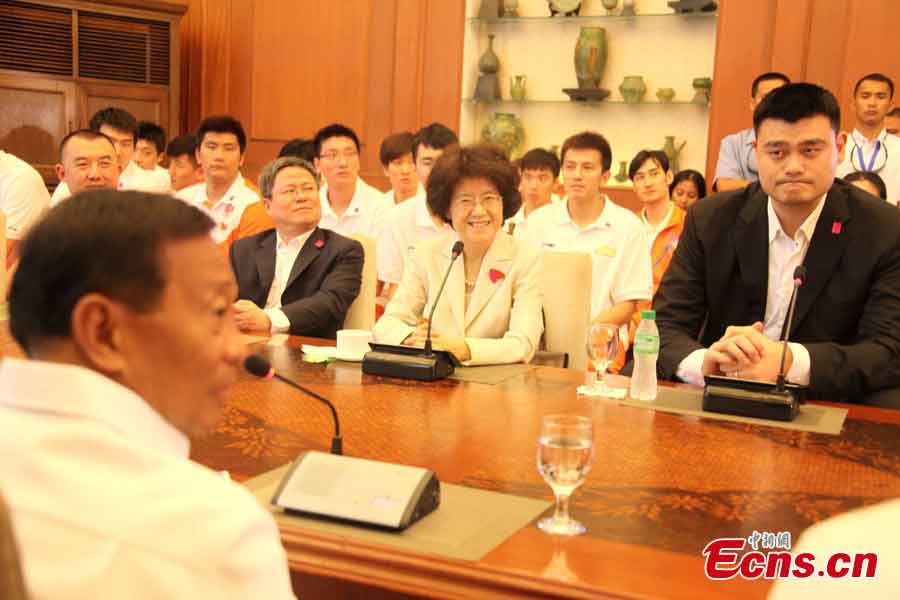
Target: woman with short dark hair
490, 311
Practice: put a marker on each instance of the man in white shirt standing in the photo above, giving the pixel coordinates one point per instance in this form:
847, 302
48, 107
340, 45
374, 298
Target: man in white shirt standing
396, 155
23, 199
123, 305
121, 128
722, 305
587, 221
870, 147
350, 206
149, 150
296, 278
411, 222
540, 172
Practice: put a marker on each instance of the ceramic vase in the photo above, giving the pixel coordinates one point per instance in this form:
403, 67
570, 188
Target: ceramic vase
702, 87
665, 94
673, 152
504, 130
622, 175
633, 88
610, 6
488, 87
517, 87
628, 8
510, 8
590, 57
490, 9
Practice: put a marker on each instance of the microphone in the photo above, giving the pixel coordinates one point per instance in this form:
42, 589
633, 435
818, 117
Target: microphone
799, 279
457, 250
262, 368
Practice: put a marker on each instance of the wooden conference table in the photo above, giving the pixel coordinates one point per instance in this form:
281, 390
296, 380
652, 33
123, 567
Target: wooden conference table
662, 485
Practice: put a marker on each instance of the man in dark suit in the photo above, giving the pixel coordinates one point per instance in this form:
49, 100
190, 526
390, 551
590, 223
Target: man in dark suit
296, 278
722, 304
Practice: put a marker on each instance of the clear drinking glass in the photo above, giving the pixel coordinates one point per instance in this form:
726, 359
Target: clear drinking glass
564, 457
602, 346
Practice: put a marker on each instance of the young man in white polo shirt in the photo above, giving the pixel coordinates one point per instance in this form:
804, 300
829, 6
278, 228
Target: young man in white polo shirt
23, 199
588, 221
411, 222
350, 206
870, 147
396, 155
224, 194
540, 172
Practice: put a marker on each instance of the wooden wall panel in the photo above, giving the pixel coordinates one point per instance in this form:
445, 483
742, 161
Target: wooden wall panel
829, 42
379, 66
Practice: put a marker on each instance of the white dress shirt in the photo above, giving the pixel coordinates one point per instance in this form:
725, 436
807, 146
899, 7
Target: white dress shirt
408, 223
132, 178
882, 152
106, 504
653, 231
785, 255
393, 198
515, 225
286, 254
365, 215
228, 211
23, 195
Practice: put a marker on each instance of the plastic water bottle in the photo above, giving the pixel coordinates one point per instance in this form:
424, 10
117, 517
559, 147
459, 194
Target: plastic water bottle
646, 351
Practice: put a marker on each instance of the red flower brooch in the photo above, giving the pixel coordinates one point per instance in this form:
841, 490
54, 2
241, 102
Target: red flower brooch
320, 244
496, 275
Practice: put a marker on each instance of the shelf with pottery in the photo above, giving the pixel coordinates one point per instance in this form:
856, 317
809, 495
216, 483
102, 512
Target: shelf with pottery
512, 102
586, 19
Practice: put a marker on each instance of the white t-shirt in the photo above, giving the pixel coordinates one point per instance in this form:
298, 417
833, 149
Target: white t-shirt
366, 215
132, 178
407, 224
105, 502
616, 243
227, 212
882, 153
162, 181
23, 195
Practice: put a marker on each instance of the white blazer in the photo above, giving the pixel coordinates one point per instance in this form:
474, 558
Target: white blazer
503, 322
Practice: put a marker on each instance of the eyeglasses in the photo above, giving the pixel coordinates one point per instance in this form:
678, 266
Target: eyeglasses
333, 155
487, 201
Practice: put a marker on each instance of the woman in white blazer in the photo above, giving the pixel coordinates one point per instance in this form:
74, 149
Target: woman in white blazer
490, 311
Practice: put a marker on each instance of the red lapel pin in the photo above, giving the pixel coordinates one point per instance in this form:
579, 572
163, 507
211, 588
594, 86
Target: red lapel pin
836, 227
495, 275
320, 244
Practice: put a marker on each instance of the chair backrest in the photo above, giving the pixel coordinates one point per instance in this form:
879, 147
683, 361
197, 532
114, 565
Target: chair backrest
566, 281
12, 585
361, 314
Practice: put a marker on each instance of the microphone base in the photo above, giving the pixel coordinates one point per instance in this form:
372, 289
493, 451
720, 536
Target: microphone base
755, 399
358, 491
404, 362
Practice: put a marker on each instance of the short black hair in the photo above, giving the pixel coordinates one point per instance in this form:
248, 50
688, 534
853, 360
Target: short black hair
332, 131
695, 177
183, 144
299, 148
589, 140
870, 177
395, 146
117, 118
222, 124
539, 159
875, 77
88, 134
796, 101
480, 161
99, 241
657, 156
770, 76
894, 112
154, 134
434, 135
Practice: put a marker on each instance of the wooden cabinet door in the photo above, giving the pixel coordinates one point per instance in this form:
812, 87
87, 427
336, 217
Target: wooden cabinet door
146, 103
35, 114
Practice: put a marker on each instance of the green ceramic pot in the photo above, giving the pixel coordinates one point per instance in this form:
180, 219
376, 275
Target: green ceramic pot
633, 88
504, 130
590, 57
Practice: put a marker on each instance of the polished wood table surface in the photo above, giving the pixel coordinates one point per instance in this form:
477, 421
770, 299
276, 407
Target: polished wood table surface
662, 485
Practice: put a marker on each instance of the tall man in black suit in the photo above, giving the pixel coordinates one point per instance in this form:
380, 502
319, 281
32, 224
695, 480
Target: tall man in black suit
722, 304
296, 278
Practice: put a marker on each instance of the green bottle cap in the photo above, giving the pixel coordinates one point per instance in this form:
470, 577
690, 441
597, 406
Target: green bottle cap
650, 315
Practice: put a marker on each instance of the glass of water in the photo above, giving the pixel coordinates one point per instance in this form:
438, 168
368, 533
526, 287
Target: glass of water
564, 457
602, 347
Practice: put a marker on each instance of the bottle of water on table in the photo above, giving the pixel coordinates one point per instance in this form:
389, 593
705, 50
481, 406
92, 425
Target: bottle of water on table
646, 351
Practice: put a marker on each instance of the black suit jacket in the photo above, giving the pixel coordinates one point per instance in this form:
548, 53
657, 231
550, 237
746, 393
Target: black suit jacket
848, 310
323, 283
